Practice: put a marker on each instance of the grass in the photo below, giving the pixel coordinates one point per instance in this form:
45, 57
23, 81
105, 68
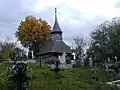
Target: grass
70, 79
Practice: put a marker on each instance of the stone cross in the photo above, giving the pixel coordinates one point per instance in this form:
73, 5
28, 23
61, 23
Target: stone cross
32, 54
90, 62
64, 57
59, 57
108, 59
73, 61
106, 66
82, 62
73, 55
116, 58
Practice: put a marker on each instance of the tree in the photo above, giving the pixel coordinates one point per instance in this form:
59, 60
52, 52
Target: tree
33, 30
18, 53
6, 49
80, 43
105, 40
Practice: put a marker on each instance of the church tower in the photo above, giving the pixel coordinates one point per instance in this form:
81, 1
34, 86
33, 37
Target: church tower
56, 32
53, 50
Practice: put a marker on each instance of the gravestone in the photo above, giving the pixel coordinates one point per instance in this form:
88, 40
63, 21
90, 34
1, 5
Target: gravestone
90, 62
82, 62
108, 59
62, 60
29, 55
116, 58
74, 56
19, 76
106, 66
32, 54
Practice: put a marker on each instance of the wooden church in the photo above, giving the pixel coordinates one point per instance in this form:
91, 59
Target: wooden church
56, 49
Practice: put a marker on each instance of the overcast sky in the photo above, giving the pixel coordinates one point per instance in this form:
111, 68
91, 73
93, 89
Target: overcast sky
75, 16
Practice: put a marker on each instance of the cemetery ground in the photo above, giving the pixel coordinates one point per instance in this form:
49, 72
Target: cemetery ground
70, 79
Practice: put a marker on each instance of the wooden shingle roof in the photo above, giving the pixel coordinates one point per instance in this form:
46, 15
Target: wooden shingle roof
57, 46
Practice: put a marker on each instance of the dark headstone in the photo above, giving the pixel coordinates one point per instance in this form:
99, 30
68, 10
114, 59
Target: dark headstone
30, 55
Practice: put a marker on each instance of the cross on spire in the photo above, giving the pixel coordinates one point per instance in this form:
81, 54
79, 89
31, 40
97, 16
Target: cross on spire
55, 10
55, 14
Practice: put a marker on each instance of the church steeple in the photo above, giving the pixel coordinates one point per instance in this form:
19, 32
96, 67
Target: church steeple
56, 32
56, 15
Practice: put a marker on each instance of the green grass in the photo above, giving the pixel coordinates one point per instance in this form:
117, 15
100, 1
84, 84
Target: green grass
70, 79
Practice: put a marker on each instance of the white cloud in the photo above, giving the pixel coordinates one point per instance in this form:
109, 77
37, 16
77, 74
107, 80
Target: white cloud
89, 8
79, 12
43, 4
75, 16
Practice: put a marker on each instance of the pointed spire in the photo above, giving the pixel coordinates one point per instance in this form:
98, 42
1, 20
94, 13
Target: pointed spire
56, 27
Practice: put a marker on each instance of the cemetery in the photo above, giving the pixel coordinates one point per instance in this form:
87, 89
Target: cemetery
50, 64
42, 78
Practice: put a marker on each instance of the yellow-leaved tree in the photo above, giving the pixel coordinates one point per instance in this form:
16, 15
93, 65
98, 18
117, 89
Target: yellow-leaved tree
32, 30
